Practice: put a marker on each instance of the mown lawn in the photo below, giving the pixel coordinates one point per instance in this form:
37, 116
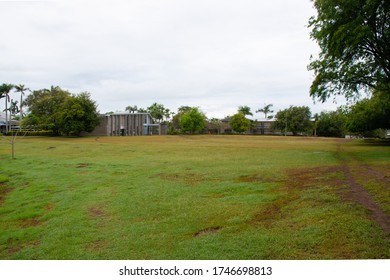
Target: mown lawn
190, 197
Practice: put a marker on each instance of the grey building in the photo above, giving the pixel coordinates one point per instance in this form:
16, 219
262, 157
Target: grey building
126, 124
265, 127
259, 127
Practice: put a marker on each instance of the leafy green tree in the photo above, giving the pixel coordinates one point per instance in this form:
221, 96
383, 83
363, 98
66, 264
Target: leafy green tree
183, 109
354, 37
30, 121
157, 111
369, 114
331, 124
174, 124
78, 113
239, 123
245, 110
4, 93
167, 113
266, 110
192, 121
45, 105
296, 119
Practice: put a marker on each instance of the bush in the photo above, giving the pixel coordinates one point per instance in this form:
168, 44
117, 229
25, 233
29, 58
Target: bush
43, 133
377, 133
239, 123
192, 121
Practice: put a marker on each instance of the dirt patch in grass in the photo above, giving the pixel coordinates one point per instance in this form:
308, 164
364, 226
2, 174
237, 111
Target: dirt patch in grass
30, 222
4, 190
99, 216
271, 213
187, 178
358, 194
98, 245
310, 177
382, 176
50, 206
207, 231
12, 249
169, 176
96, 212
337, 176
255, 178
290, 191
83, 165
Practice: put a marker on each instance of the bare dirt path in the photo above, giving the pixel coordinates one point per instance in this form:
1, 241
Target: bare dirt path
357, 193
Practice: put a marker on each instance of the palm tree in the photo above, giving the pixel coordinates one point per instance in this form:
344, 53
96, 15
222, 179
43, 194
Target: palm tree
167, 113
21, 89
131, 109
266, 109
245, 110
13, 108
4, 93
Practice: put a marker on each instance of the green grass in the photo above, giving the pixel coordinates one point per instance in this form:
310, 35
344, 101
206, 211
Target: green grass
174, 197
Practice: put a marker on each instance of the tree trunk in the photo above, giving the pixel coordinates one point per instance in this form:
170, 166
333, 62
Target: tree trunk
13, 148
21, 107
6, 113
12, 142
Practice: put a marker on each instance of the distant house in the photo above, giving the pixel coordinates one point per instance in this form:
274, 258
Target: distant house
126, 124
259, 127
12, 124
265, 127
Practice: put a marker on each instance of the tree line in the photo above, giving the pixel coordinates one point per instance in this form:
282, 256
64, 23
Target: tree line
361, 119
62, 113
55, 110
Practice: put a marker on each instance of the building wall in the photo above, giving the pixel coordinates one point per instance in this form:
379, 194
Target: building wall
265, 128
125, 124
262, 127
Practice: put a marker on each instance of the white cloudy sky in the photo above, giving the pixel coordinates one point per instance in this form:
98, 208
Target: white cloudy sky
215, 54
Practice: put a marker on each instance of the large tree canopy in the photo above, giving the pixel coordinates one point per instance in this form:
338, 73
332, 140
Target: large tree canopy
78, 114
44, 108
192, 121
369, 114
239, 123
296, 119
331, 124
58, 110
157, 111
354, 37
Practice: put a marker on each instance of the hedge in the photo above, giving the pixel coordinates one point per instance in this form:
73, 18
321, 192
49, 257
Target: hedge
31, 133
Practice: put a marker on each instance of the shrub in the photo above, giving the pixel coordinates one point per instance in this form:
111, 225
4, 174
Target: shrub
44, 133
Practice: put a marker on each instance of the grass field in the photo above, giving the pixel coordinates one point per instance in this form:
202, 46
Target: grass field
198, 197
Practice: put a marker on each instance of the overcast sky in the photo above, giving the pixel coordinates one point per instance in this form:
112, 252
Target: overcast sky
215, 54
